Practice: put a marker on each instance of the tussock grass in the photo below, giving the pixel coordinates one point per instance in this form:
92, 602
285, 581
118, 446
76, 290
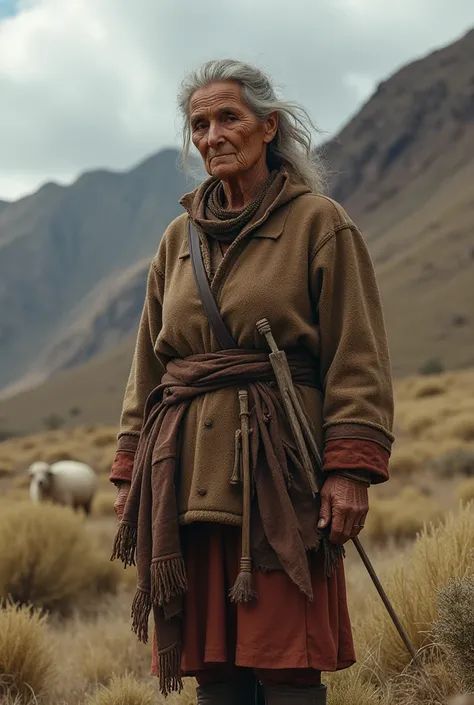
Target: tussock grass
124, 690
440, 554
103, 504
465, 490
352, 687
27, 668
401, 517
48, 558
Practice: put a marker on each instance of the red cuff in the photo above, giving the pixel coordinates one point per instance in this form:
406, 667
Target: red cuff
122, 467
354, 454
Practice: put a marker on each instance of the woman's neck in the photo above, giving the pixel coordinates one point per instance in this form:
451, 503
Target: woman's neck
242, 190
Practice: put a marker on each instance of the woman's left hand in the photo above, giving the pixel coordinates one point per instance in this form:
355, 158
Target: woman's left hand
344, 506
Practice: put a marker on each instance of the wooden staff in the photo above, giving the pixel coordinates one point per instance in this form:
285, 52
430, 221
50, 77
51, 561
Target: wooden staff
303, 432
242, 590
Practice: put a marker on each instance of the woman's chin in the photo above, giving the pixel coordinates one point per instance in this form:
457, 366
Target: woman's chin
223, 171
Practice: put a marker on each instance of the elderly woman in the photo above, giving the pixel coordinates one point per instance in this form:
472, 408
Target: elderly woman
237, 539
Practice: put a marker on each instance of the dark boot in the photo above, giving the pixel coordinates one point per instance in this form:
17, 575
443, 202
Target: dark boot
227, 693
286, 695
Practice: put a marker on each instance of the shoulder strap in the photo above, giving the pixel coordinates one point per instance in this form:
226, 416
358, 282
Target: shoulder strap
209, 304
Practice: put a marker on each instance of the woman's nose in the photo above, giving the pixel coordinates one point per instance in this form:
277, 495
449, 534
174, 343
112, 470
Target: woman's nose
214, 135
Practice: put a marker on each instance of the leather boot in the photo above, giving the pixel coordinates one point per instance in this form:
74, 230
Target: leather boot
286, 695
227, 693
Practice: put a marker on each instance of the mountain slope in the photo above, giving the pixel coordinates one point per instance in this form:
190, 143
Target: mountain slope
403, 168
60, 243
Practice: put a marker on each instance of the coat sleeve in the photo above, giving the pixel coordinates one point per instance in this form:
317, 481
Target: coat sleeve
355, 364
145, 374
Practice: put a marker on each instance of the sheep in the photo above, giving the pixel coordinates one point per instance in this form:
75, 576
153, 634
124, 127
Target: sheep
65, 482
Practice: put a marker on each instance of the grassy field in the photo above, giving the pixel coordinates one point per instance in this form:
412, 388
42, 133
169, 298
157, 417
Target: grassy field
78, 648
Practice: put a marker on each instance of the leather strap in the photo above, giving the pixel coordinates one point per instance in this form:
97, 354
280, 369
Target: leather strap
222, 333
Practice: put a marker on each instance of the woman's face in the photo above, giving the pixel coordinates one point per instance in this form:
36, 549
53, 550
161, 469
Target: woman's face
229, 137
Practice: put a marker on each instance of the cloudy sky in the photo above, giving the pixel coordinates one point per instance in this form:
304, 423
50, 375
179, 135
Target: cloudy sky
92, 83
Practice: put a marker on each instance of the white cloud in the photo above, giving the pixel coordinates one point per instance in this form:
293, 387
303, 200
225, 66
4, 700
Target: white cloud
92, 83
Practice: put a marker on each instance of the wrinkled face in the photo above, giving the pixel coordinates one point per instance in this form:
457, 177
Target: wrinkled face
229, 137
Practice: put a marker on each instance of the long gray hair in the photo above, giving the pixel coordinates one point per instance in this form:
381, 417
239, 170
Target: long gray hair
292, 145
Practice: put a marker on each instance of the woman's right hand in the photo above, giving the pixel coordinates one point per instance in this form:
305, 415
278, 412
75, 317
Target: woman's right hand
122, 493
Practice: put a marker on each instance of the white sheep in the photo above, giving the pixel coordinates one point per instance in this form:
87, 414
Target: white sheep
66, 482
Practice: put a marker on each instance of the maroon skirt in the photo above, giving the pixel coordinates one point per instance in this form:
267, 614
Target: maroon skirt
281, 629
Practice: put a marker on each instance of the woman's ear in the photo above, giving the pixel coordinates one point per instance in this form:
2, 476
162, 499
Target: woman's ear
271, 127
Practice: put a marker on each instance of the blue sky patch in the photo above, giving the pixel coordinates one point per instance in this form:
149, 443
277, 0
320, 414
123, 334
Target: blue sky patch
8, 8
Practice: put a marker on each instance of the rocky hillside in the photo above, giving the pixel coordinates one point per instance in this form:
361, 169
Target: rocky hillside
73, 260
65, 252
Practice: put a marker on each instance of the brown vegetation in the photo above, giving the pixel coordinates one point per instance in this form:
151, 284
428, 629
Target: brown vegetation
419, 533
49, 559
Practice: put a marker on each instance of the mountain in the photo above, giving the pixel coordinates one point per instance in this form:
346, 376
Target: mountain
64, 252
403, 167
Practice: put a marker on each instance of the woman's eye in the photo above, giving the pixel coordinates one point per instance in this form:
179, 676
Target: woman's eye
230, 118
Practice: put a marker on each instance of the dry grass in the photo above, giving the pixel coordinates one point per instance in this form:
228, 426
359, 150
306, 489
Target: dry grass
465, 490
434, 417
124, 690
103, 504
401, 517
440, 554
27, 665
49, 559
100, 661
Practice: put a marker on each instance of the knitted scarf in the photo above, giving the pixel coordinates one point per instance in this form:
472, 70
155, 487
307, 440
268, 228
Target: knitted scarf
148, 534
221, 223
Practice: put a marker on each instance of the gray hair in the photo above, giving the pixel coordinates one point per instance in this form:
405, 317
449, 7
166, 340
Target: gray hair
292, 145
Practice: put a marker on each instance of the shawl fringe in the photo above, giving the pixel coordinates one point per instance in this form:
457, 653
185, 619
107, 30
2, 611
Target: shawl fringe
168, 579
169, 665
141, 608
125, 544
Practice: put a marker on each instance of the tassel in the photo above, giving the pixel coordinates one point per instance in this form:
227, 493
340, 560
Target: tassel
169, 667
168, 579
243, 591
125, 544
141, 608
236, 478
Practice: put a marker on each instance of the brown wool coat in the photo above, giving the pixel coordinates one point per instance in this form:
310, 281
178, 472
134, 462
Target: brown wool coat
302, 264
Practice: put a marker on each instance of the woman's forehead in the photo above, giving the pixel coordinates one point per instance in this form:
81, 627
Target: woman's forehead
216, 95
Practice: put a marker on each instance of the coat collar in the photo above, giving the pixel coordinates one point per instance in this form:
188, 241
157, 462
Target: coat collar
270, 225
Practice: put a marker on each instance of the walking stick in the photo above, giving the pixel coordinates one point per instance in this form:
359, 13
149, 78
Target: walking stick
302, 430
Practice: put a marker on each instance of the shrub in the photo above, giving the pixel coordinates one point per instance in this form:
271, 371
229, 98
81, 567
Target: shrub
123, 690
454, 627
429, 388
6, 467
465, 490
410, 457
460, 426
53, 421
459, 461
104, 503
106, 437
433, 366
440, 554
48, 558
401, 517
26, 658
